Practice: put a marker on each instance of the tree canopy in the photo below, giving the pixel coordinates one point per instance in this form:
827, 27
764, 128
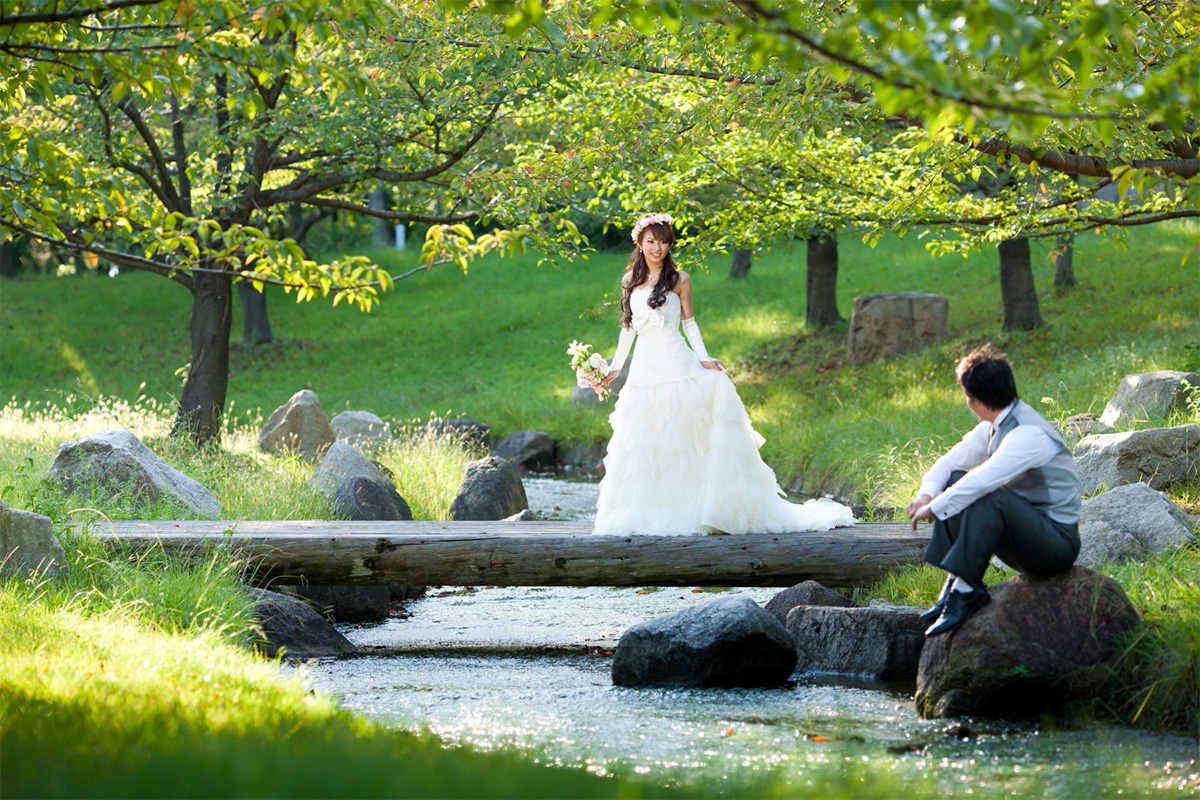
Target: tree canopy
178, 136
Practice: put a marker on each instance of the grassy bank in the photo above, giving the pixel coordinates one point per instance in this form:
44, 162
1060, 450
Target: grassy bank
490, 345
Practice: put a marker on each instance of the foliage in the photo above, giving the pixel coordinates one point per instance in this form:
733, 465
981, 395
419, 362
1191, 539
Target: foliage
755, 122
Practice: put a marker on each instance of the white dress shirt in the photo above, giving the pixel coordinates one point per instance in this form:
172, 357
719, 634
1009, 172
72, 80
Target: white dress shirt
1025, 447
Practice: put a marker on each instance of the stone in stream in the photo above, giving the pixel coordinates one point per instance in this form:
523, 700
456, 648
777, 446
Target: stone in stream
345, 603
491, 489
807, 593
116, 461
728, 642
529, 449
1039, 644
28, 546
879, 641
290, 627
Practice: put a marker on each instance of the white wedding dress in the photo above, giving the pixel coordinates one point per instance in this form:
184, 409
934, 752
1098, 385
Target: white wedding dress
683, 458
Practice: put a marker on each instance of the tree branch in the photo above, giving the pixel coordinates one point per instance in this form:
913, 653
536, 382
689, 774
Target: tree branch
392, 216
156, 155
71, 14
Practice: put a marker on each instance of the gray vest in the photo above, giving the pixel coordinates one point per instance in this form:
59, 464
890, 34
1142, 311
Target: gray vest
1052, 488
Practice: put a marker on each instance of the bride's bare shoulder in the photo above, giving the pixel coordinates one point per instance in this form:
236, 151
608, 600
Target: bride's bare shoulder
627, 280
684, 281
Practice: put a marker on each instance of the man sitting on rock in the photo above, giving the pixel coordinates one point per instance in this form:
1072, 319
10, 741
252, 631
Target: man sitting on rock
1020, 500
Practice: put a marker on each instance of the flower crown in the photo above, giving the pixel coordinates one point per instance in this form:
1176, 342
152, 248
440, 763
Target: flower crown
647, 220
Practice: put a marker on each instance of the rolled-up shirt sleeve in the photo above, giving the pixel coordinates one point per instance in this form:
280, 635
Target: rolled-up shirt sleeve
969, 452
1023, 449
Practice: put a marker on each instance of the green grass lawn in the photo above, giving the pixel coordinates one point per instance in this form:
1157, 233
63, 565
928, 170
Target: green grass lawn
490, 345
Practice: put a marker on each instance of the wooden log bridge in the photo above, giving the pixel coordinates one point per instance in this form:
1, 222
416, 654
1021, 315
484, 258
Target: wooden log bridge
526, 553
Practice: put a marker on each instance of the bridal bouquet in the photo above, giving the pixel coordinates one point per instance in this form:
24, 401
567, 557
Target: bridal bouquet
590, 368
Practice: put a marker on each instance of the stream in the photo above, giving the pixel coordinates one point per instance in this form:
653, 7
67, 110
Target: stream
528, 668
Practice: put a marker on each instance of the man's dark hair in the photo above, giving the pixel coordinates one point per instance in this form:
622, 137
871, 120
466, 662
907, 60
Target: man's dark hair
985, 375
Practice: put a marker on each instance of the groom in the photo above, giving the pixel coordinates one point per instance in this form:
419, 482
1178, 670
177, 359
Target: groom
1019, 501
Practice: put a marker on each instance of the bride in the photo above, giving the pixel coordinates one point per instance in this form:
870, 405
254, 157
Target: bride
683, 458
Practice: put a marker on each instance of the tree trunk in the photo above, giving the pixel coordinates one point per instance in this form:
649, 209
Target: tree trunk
10, 260
203, 399
256, 325
1017, 292
740, 267
822, 282
1064, 264
381, 230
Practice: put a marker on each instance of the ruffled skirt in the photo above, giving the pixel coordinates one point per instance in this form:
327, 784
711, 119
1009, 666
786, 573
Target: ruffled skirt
683, 459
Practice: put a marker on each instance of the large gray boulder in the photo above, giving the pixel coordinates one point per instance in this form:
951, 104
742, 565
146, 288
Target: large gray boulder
1160, 457
730, 641
886, 325
298, 426
345, 603
28, 546
362, 429
491, 489
1074, 429
1149, 396
877, 641
807, 593
1040, 643
531, 449
587, 457
290, 627
1130, 523
361, 498
340, 463
117, 461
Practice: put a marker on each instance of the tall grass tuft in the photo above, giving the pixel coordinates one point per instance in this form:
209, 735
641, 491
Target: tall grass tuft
250, 484
1159, 676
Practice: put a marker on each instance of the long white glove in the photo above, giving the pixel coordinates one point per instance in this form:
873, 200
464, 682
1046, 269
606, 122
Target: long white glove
624, 343
692, 331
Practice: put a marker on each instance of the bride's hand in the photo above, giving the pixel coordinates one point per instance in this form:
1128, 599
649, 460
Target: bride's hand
713, 364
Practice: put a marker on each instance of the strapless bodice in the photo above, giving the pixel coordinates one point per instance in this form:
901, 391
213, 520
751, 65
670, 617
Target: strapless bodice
661, 353
665, 317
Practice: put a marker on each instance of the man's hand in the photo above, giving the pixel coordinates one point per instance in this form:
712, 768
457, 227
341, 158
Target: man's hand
918, 509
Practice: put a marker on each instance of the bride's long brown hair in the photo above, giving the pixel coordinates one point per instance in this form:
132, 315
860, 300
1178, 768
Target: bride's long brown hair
639, 272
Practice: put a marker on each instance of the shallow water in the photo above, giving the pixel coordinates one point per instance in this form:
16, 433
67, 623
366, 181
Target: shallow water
529, 668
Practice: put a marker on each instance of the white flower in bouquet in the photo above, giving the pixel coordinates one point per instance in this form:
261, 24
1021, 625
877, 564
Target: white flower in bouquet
590, 368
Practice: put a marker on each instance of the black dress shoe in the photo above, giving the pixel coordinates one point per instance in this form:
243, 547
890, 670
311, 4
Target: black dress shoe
959, 606
935, 610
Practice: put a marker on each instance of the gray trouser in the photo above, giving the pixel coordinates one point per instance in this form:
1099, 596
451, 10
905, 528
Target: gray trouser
1006, 525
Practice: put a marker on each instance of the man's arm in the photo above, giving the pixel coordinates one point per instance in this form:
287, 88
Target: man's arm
969, 452
1023, 449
